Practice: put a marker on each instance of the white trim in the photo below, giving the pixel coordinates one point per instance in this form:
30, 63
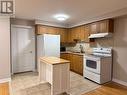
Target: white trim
41, 22
21, 26
10, 89
5, 80
119, 81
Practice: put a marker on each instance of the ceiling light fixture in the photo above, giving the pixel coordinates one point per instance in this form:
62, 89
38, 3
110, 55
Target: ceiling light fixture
61, 17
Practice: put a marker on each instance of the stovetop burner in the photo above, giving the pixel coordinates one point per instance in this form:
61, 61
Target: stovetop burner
102, 52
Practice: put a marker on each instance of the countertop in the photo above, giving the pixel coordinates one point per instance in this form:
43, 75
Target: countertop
53, 60
73, 53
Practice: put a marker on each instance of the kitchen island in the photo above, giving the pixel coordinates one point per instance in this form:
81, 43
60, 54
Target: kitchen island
55, 71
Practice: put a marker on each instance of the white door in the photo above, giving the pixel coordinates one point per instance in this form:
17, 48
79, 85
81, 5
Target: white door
23, 49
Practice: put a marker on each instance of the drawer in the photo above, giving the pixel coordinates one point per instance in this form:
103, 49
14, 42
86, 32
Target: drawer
92, 76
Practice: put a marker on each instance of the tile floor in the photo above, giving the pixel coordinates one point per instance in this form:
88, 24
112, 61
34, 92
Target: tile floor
28, 84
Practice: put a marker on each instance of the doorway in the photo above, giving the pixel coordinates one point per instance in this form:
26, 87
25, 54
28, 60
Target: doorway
22, 48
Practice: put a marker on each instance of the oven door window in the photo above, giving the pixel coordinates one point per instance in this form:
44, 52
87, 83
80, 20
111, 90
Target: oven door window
91, 64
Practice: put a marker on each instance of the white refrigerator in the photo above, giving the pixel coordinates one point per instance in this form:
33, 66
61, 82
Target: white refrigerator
48, 45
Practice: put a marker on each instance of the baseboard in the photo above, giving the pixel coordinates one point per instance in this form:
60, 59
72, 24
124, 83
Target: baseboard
120, 82
5, 80
34, 70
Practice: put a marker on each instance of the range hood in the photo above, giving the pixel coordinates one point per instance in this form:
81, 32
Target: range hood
100, 35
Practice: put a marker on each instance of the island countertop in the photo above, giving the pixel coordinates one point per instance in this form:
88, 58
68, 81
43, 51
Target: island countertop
53, 60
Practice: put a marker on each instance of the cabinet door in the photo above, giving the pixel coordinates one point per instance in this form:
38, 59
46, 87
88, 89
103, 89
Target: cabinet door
94, 28
41, 29
78, 64
73, 34
64, 56
70, 35
82, 33
70, 58
103, 26
52, 30
87, 33
106, 26
77, 33
63, 34
75, 63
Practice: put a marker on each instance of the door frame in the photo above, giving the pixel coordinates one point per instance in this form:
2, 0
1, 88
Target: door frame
21, 26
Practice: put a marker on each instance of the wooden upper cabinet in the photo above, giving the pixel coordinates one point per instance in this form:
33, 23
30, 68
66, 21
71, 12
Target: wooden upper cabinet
42, 29
52, 30
63, 34
81, 33
70, 35
106, 26
77, 33
103, 26
94, 28
87, 33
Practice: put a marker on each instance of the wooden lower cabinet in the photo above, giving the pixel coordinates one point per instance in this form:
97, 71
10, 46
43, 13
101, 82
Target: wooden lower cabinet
76, 62
64, 56
69, 57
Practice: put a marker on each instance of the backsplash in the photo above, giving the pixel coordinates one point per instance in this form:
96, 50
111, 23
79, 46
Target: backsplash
87, 47
103, 42
76, 48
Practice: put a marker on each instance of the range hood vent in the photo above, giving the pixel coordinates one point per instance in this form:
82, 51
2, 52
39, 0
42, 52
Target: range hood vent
100, 35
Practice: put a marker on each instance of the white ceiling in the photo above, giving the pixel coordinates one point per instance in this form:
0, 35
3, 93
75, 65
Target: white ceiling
78, 10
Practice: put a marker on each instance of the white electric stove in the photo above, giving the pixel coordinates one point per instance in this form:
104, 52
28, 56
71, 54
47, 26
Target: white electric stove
98, 65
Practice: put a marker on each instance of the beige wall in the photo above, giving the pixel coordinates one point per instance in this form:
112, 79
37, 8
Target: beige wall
4, 47
120, 49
